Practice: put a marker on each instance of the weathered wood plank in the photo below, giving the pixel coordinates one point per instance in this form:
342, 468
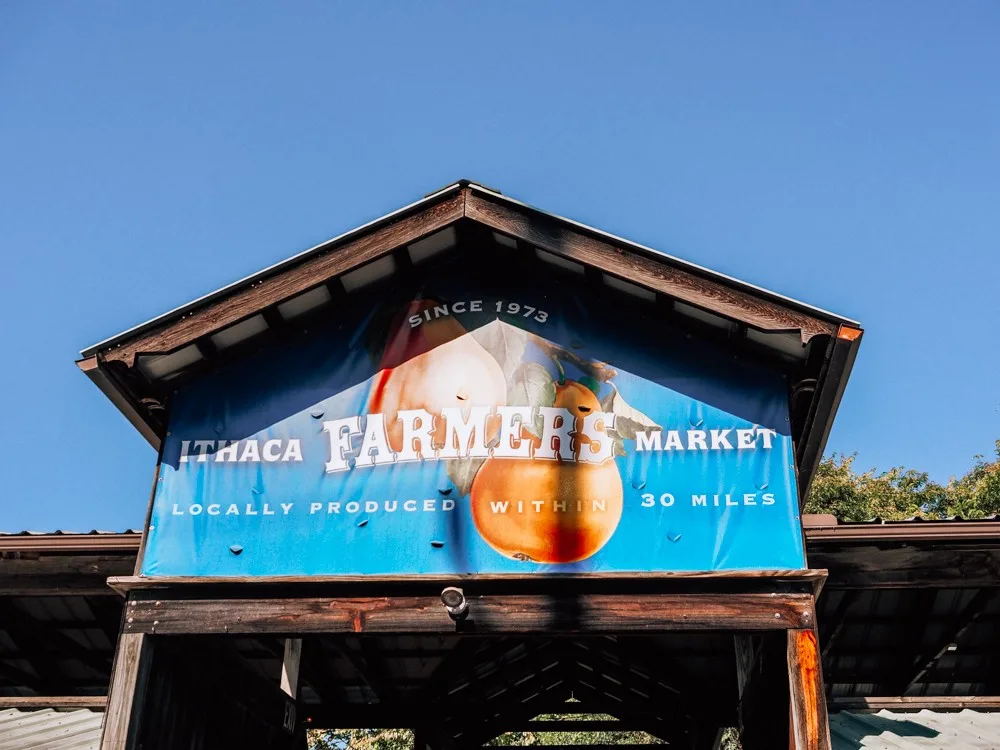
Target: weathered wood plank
35, 702
705, 293
495, 614
282, 286
124, 699
810, 726
906, 565
124, 584
39, 574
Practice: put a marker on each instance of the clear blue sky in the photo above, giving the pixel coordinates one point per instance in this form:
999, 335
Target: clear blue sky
845, 154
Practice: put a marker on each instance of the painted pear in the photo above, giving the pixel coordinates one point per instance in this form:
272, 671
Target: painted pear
434, 365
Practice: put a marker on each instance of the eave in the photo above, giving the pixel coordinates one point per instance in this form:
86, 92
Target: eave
748, 315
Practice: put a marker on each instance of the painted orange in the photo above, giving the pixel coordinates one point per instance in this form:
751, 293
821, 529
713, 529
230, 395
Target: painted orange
567, 511
555, 511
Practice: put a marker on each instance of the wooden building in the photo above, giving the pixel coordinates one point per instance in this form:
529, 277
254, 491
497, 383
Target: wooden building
243, 632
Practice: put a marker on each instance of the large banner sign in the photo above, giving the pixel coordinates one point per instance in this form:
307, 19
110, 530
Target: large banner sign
478, 427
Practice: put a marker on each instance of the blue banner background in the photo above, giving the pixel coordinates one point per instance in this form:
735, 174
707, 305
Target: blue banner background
288, 390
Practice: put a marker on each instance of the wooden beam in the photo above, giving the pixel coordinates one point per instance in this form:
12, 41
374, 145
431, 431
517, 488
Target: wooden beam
127, 689
34, 703
495, 614
655, 274
908, 564
733, 581
44, 574
810, 728
297, 279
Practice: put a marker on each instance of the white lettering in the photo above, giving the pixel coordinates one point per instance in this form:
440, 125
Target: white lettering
340, 432
720, 440
557, 429
272, 450
600, 447
375, 449
511, 419
696, 440
293, 451
203, 446
465, 438
250, 452
227, 454
648, 441
418, 425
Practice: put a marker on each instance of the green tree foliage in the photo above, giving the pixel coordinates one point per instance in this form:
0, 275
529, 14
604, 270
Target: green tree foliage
361, 739
402, 739
554, 737
903, 493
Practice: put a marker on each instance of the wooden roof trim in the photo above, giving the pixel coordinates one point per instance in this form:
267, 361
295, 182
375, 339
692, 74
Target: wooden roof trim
328, 262
120, 398
661, 257
555, 236
274, 269
757, 308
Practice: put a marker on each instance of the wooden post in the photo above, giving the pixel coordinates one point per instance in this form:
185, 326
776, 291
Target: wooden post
127, 689
810, 728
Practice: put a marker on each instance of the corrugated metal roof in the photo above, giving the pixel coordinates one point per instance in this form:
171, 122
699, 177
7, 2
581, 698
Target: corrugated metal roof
47, 729
915, 731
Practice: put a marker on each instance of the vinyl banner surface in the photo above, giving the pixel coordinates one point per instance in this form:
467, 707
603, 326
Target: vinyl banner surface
478, 426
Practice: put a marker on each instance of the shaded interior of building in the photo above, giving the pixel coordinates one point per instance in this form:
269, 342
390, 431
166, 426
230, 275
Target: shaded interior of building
909, 610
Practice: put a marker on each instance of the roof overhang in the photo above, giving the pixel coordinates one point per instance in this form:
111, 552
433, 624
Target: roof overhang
138, 368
